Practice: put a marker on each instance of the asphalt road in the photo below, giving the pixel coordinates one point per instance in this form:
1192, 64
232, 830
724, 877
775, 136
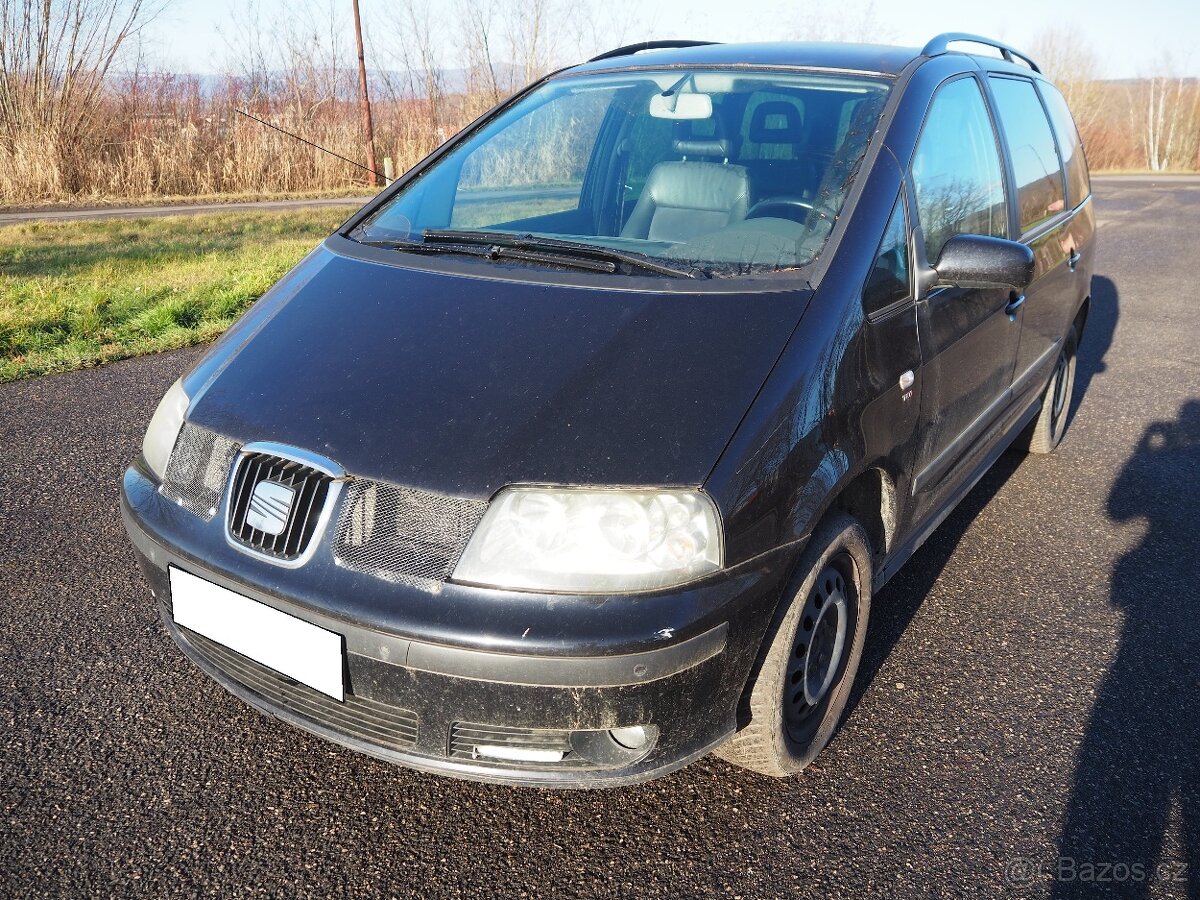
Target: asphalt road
52, 214
1029, 705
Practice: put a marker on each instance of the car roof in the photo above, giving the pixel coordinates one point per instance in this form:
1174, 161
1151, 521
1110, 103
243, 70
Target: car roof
876, 58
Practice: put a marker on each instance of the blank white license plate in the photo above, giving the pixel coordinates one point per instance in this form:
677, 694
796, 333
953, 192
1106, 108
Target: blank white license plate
298, 649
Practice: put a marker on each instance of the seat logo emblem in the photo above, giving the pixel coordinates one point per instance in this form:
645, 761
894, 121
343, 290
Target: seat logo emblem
270, 505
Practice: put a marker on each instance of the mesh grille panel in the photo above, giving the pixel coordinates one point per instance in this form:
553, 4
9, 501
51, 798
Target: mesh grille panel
402, 534
198, 469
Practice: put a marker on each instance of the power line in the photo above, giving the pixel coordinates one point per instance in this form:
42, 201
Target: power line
303, 141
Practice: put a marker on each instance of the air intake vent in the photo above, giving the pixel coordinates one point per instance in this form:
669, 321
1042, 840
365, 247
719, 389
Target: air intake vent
366, 720
276, 505
403, 534
198, 469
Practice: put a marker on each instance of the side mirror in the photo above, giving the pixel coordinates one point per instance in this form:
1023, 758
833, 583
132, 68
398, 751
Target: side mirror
977, 261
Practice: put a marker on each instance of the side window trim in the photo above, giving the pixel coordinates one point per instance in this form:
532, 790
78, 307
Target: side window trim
1006, 174
1056, 220
901, 203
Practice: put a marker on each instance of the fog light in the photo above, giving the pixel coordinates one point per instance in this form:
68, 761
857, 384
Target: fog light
632, 738
519, 754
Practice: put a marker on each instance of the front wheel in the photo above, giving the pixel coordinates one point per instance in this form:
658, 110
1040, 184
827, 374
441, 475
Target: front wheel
1047, 430
811, 656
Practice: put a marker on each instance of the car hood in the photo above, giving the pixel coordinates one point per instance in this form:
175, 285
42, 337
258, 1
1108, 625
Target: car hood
461, 385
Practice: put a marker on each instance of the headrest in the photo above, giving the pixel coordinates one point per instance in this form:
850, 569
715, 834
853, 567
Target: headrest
776, 122
717, 147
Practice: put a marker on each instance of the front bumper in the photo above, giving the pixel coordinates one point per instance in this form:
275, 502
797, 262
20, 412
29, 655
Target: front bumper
422, 664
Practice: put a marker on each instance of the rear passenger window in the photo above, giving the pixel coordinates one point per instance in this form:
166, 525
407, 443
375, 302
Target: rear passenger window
956, 169
1031, 145
888, 282
1078, 182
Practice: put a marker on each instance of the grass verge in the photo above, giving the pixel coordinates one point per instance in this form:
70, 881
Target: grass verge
77, 294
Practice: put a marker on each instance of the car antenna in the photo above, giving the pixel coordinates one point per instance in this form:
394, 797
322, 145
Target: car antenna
310, 143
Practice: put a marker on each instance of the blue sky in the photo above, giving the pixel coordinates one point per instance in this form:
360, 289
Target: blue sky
1131, 38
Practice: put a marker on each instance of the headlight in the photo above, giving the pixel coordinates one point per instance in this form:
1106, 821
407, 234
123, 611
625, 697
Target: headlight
164, 429
593, 540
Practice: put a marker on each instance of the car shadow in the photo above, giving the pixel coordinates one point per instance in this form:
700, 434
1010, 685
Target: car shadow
1098, 335
1139, 757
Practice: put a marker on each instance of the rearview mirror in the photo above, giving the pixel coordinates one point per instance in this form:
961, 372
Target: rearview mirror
681, 106
977, 261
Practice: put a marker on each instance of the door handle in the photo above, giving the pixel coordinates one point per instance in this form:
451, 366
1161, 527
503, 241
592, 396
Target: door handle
1073, 259
1014, 303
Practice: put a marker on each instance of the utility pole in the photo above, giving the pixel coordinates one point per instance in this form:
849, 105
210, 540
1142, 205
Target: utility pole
365, 101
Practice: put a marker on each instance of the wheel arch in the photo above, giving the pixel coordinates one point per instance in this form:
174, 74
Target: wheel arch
870, 499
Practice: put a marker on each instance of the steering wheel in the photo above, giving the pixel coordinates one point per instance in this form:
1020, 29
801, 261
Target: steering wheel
781, 208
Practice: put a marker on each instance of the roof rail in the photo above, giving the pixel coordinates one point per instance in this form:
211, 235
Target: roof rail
942, 42
630, 49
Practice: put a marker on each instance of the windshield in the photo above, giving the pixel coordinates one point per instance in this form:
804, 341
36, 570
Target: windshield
712, 172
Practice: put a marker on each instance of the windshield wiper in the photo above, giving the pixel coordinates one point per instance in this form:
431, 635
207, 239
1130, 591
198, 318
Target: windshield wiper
491, 251
555, 251
421, 247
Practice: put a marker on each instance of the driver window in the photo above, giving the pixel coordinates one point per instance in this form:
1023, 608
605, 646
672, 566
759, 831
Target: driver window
956, 171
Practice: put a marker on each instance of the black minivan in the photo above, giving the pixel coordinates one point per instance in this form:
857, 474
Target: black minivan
580, 451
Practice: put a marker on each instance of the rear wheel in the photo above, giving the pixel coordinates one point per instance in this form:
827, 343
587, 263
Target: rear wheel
812, 654
1047, 430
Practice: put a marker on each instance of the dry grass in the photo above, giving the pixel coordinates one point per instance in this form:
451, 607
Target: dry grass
195, 148
197, 157
82, 293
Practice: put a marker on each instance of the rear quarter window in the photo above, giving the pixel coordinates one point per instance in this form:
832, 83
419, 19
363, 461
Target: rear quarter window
1031, 146
1079, 183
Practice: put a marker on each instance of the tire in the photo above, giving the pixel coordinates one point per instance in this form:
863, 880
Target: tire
812, 652
1047, 430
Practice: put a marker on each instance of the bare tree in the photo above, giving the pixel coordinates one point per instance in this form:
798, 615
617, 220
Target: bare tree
54, 56
1073, 64
594, 26
478, 35
533, 39
1167, 109
250, 52
823, 21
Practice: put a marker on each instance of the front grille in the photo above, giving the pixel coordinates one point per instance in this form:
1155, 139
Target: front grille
399, 533
366, 720
198, 469
302, 511
466, 739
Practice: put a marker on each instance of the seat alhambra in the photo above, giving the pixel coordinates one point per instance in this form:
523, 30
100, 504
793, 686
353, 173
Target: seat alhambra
581, 451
